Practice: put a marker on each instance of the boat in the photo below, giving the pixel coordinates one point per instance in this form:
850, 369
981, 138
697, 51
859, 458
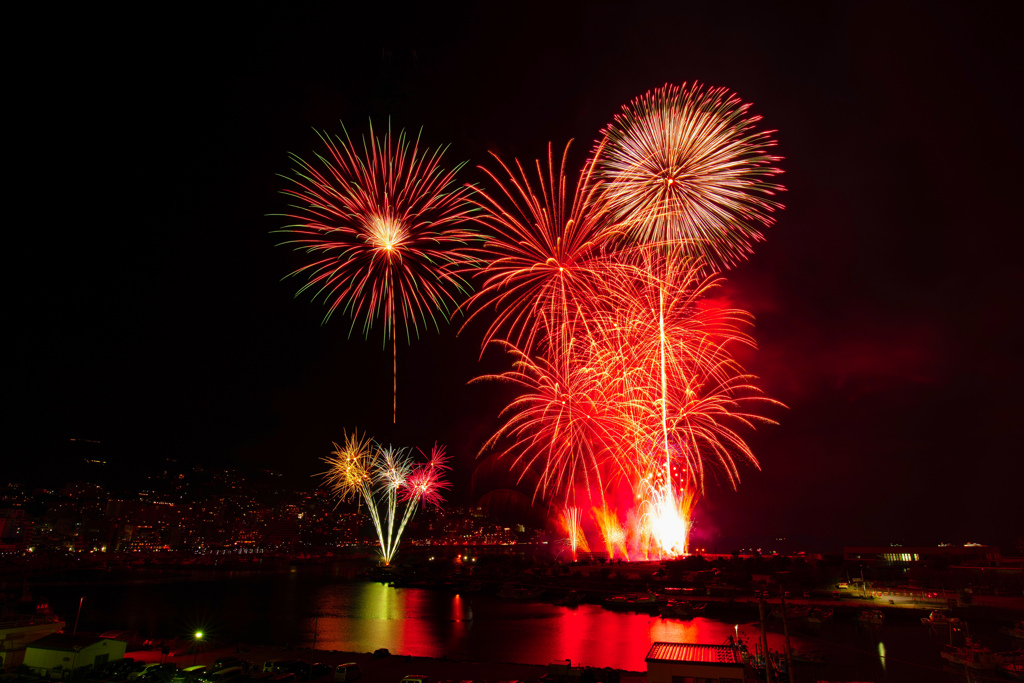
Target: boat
939, 617
871, 616
637, 602
1014, 670
819, 615
571, 599
977, 657
792, 611
1017, 630
682, 609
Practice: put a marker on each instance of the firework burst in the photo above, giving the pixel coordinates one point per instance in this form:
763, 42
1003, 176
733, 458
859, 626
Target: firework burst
382, 477
560, 427
685, 164
669, 357
542, 260
382, 222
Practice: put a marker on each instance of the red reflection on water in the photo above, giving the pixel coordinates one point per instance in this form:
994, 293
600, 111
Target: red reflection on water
572, 632
457, 613
358, 617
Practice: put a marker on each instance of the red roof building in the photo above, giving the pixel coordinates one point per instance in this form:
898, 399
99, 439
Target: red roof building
671, 662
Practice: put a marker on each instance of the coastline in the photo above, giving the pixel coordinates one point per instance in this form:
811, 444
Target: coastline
390, 668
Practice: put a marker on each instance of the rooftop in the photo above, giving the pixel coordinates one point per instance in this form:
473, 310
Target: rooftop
65, 642
693, 652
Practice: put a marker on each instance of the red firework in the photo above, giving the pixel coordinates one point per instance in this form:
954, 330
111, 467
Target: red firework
383, 224
542, 259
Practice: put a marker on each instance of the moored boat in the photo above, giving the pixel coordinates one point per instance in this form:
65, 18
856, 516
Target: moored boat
871, 616
1014, 670
819, 615
977, 657
939, 617
570, 599
638, 602
682, 609
1017, 630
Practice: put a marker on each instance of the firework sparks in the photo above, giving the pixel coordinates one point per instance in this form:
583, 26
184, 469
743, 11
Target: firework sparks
612, 533
425, 483
668, 517
384, 227
684, 164
669, 357
542, 260
646, 392
572, 519
561, 426
381, 477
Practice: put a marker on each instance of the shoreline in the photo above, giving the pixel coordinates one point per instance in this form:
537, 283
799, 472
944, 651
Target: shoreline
389, 668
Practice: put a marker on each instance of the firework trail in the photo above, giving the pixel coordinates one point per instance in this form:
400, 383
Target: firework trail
685, 164
647, 391
572, 518
381, 477
382, 221
612, 533
669, 357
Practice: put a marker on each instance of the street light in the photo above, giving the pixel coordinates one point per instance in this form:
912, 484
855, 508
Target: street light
195, 646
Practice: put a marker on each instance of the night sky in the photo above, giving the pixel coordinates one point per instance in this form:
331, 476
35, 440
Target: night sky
150, 315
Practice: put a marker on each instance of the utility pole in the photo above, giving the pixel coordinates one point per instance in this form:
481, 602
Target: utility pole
80, 601
785, 629
764, 642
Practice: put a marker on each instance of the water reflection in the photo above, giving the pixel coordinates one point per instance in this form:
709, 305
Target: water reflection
286, 608
362, 617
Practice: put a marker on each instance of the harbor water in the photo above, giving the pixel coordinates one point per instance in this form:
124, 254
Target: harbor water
297, 607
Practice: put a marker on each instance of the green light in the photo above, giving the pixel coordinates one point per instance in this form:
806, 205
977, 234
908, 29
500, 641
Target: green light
199, 635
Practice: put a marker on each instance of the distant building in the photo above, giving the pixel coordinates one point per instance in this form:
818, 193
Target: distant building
675, 662
59, 655
896, 555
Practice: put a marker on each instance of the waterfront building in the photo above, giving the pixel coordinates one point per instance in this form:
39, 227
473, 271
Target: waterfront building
59, 655
972, 554
672, 662
16, 634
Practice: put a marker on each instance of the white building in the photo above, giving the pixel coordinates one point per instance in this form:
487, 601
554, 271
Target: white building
59, 654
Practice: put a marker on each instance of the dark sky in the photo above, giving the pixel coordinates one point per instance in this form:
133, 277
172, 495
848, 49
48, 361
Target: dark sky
146, 290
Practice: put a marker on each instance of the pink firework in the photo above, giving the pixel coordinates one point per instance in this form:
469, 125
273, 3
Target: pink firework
425, 484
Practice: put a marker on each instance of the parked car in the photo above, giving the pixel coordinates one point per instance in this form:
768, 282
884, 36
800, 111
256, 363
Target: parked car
161, 673
187, 674
223, 675
142, 671
294, 666
347, 672
228, 662
319, 670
